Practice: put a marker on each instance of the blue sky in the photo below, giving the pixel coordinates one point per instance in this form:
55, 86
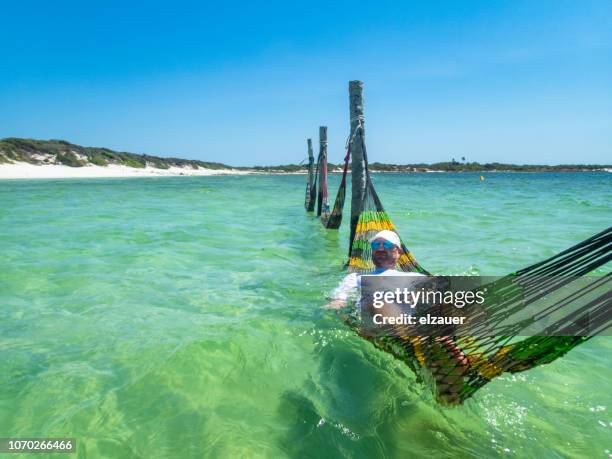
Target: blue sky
246, 83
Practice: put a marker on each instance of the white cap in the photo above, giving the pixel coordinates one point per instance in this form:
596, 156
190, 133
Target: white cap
388, 235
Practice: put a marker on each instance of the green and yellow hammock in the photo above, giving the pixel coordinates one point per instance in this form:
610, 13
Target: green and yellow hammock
460, 365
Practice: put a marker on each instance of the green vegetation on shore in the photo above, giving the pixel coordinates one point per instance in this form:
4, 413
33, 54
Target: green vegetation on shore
486, 167
62, 152
449, 167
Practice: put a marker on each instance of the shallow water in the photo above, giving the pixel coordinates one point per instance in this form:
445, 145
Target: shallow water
181, 317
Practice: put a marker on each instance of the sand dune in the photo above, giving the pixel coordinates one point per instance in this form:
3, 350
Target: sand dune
21, 170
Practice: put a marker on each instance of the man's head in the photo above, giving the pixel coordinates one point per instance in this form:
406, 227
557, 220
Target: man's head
386, 249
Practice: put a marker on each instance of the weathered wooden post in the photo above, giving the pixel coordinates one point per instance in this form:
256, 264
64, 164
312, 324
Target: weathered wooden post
310, 160
322, 168
358, 177
310, 186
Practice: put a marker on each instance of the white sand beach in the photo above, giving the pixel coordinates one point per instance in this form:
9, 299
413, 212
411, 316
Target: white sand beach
21, 170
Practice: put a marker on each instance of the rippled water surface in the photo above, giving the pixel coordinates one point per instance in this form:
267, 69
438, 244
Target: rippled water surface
182, 317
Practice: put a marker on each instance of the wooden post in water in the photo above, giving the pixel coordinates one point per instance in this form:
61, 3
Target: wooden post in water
323, 168
310, 153
358, 177
310, 192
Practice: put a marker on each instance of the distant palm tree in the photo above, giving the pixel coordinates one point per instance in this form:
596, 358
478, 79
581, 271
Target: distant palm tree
463, 158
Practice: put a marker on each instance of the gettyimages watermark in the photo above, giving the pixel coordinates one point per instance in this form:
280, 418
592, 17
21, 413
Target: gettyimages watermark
485, 306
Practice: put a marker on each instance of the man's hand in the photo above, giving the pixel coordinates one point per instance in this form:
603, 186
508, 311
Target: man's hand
336, 304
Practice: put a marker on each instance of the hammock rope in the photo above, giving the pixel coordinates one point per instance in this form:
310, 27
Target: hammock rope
315, 185
333, 220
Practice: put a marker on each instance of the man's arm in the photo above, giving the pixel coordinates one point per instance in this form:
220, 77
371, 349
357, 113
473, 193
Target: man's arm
345, 290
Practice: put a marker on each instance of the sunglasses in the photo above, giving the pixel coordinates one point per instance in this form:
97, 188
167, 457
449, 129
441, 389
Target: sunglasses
386, 244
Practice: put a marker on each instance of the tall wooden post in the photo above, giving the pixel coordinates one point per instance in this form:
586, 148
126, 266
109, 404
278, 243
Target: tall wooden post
310, 153
323, 168
358, 177
310, 186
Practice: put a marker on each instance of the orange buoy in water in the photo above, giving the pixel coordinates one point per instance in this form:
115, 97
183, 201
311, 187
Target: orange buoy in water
482, 178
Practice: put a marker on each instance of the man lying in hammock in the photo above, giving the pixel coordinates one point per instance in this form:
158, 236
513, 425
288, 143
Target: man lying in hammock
386, 251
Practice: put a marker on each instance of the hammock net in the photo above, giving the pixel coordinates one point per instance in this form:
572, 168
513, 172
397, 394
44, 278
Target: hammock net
457, 366
333, 219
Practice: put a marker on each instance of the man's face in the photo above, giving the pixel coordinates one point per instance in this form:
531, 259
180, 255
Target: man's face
383, 257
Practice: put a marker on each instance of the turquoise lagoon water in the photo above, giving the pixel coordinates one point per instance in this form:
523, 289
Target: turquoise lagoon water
181, 317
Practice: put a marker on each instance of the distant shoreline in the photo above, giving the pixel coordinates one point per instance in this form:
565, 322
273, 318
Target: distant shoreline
31, 159
21, 171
